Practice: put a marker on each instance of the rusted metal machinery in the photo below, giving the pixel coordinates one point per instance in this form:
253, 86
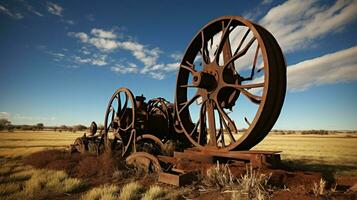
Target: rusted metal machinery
230, 89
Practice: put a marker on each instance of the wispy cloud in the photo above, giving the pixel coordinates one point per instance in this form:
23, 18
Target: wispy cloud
176, 56
31, 9
4, 115
331, 68
99, 60
107, 41
296, 25
131, 68
264, 2
103, 34
54, 9
14, 15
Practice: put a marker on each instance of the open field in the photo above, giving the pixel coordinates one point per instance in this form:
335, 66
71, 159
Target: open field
316, 149
14, 144
337, 150
333, 153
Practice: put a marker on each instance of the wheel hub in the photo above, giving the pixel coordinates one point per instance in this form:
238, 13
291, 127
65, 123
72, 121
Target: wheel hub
204, 80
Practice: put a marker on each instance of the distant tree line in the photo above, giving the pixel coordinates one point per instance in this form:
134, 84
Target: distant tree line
5, 124
304, 132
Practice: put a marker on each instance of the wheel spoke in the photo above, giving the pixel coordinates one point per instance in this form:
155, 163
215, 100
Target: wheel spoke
254, 65
211, 123
195, 128
242, 41
243, 89
188, 103
248, 86
124, 107
221, 132
225, 118
187, 86
227, 128
223, 40
204, 51
202, 122
246, 120
190, 69
241, 53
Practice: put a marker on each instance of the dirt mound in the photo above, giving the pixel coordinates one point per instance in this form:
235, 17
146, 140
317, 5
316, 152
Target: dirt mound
98, 168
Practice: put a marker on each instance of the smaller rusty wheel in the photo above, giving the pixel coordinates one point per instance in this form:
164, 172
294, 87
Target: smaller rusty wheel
161, 108
149, 143
120, 120
93, 129
145, 161
80, 146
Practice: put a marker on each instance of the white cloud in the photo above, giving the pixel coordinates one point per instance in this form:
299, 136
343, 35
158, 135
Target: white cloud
176, 56
131, 68
83, 37
331, 68
99, 60
267, 2
107, 41
4, 115
157, 75
80, 60
103, 34
296, 24
6, 11
54, 9
147, 56
103, 44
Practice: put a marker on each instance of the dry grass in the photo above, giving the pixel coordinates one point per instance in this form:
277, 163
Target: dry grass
319, 188
57, 181
219, 176
23, 143
104, 192
154, 192
333, 149
9, 188
24, 182
131, 191
252, 185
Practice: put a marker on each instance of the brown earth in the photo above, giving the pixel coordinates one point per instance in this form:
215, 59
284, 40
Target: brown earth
97, 170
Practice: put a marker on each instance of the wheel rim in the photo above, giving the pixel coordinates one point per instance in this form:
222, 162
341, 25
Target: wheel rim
218, 84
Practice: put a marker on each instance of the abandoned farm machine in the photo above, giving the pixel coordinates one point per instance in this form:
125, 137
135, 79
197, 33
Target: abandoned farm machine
230, 88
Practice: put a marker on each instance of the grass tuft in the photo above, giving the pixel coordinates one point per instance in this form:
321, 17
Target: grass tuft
107, 192
254, 184
219, 176
9, 188
319, 188
155, 192
131, 191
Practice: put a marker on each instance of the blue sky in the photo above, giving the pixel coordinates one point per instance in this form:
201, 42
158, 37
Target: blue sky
62, 60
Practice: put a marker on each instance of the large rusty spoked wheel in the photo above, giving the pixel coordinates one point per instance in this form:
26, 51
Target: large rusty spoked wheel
231, 85
120, 119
